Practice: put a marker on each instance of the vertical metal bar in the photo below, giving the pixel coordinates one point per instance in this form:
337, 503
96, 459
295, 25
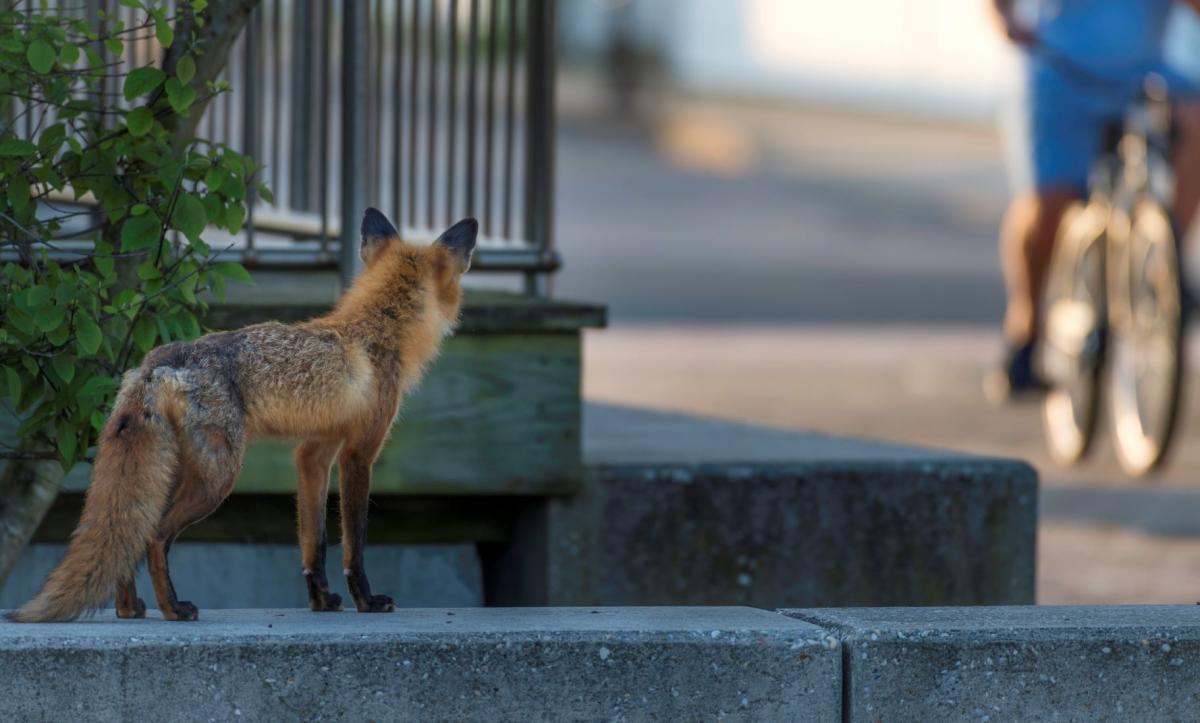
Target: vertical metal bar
414, 117
510, 101
301, 127
323, 131
250, 80
472, 61
432, 130
539, 136
276, 92
354, 62
451, 111
377, 150
490, 117
398, 118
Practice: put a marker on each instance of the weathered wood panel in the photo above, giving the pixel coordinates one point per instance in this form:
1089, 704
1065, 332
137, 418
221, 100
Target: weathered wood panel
498, 414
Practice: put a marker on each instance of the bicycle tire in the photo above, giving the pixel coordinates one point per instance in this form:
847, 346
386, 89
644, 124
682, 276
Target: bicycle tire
1147, 363
1072, 348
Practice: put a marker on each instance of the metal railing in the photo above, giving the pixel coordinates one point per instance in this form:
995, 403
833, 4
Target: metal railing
431, 110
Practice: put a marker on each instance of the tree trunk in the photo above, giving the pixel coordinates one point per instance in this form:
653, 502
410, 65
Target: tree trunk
27, 489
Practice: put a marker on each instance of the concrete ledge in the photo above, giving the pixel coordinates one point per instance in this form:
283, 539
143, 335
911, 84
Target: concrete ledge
1018, 663
685, 510
464, 664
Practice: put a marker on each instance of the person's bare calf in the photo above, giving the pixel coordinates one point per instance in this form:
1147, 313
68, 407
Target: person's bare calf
1026, 243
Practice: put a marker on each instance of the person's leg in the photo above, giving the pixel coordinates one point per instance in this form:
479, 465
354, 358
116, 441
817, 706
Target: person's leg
1187, 165
1052, 138
1026, 243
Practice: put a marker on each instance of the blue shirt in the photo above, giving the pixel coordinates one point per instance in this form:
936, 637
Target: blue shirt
1115, 35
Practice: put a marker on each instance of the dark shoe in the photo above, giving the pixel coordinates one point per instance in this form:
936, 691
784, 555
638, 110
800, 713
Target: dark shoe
1017, 378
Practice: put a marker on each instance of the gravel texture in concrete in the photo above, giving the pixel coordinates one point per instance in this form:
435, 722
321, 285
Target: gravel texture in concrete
1122, 663
425, 664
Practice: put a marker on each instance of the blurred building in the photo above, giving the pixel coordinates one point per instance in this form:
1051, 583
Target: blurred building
939, 58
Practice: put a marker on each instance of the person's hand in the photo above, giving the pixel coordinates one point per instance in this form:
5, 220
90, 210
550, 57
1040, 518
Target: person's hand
1020, 35
1016, 31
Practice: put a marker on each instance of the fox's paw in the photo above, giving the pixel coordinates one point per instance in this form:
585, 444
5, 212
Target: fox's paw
377, 604
184, 611
331, 603
137, 611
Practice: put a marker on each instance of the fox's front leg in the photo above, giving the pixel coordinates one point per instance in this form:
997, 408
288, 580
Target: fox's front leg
354, 483
313, 460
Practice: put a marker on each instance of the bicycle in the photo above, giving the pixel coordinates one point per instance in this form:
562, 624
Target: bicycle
1114, 297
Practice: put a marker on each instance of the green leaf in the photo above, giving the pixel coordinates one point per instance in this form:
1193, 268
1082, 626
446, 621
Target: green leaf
40, 56
49, 317
64, 365
141, 232
51, 139
69, 54
147, 271
38, 296
189, 216
144, 333
66, 447
142, 81
185, 69
18, 193
115, 47
97, 386
16, 147
140, 120
163, 31
233, 270
138, 209
59, 336
14, 384
87, 336
235, 216
213, 178
180, 96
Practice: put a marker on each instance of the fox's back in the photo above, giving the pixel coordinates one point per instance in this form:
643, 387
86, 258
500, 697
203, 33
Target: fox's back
299, 380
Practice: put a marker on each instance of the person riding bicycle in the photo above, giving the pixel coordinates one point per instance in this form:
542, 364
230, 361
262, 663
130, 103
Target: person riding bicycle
1056, 132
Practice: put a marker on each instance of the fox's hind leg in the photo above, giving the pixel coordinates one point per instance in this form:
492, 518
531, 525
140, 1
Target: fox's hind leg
313, 460
354, 483
209, 468
129, 605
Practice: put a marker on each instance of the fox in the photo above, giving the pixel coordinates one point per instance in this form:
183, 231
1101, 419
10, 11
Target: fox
172, 449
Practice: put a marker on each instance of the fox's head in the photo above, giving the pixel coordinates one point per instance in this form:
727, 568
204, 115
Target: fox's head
437, 268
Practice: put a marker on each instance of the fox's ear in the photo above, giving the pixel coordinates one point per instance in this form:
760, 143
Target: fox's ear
460, 239
377, 230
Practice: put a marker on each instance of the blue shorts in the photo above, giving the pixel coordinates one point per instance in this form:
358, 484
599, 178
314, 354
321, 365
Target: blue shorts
1055, 129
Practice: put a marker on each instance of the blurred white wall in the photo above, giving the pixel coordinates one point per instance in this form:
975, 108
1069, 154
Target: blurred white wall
939, 58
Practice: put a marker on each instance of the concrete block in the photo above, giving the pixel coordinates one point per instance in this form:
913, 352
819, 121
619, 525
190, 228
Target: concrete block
680, 510
465, 664
1135, 663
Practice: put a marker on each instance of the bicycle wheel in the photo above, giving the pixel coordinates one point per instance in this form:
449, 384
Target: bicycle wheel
1146, 323
1072, 352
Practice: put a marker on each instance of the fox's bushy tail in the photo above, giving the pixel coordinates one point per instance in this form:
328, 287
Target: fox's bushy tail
132, 477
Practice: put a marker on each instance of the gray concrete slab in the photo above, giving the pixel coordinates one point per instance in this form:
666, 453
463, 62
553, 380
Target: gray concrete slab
427, 664
619, 434
1018, 663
